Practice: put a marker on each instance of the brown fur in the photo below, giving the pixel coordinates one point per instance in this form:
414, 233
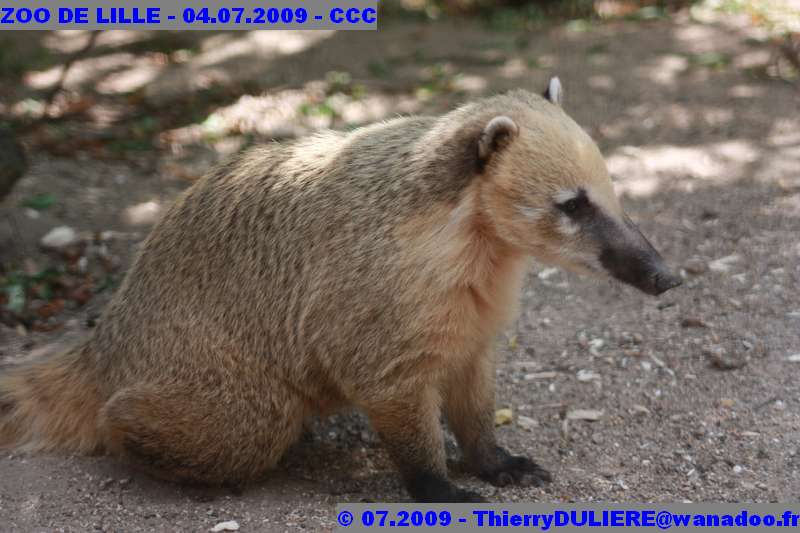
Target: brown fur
51, 404
370, 269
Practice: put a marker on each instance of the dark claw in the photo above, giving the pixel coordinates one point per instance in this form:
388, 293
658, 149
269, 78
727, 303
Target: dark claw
467, 496
427, 487
514, 469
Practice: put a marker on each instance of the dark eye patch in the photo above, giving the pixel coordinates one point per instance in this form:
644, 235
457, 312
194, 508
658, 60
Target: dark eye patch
576, 205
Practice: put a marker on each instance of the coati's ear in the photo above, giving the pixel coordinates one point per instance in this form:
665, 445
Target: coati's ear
554, 92
495, 136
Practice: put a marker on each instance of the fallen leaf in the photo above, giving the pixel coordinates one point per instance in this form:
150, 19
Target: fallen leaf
49, 309
723, 264
590, 415
540, 375
527, 422
512, 343
503, 417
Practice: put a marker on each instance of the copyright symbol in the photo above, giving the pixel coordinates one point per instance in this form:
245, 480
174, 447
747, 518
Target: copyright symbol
664, 520
345, 518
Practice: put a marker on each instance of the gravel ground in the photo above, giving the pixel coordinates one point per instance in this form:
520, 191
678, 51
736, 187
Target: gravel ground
696, 395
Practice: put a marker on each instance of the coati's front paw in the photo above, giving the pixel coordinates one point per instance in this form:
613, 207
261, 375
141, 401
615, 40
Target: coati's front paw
506, 469
431, 488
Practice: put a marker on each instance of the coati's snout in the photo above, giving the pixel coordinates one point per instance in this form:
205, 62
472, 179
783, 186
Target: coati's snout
628, 256
599, 240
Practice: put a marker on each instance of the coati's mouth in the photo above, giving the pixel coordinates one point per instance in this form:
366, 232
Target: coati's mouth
642, 268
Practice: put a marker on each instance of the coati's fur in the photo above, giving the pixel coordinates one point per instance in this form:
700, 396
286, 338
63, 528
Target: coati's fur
372, 269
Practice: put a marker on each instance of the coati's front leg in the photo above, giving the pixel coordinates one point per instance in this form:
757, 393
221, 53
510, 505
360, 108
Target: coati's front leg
469, 405
411, 431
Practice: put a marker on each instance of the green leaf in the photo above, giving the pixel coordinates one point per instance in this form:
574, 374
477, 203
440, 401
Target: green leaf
710, 60
47, 274
16, 297
39, 202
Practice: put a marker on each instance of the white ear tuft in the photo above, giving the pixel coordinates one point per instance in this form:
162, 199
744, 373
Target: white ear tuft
497, 133
554, 91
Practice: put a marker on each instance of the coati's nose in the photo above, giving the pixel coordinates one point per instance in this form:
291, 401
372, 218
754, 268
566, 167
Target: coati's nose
628, 256
666, 281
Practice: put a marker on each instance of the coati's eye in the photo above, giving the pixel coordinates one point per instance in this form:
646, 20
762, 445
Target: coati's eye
573, 205
570, 206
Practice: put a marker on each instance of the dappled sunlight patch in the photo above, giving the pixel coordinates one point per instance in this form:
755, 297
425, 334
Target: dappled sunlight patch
129, 80
287, 42
291, 113
83, 71
746, 91
665, 117
221, 48
705, 38
515, 67
752, 59
638, 187
230, 59
602, 82
781, 167
66, 41
471, 83
642, 171
665, 69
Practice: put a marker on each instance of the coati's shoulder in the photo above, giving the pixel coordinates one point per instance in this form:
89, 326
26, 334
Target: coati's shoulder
408, 161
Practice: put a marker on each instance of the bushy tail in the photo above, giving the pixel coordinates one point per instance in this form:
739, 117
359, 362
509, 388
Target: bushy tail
50, 404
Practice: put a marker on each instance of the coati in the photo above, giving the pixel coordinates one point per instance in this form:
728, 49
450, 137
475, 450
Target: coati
371, 269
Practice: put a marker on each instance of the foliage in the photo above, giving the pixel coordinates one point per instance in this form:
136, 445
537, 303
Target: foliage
778, 17
39, 202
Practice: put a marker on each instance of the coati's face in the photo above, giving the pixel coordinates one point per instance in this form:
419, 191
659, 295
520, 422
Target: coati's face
549, 194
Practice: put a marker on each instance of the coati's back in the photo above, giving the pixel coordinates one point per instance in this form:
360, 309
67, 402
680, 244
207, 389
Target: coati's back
287, 253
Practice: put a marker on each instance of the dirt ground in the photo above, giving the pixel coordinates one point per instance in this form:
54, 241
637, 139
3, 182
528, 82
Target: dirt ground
698, 390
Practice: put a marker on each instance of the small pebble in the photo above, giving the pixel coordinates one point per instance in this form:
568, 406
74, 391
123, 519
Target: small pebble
693, 322
587, 375
230, 525
695, 266
59, 237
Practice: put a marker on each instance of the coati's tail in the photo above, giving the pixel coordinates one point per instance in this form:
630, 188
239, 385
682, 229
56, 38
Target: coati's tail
50, 404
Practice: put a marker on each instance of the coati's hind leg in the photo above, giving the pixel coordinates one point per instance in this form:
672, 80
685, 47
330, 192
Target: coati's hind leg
469, 406
202, 434
411, 431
